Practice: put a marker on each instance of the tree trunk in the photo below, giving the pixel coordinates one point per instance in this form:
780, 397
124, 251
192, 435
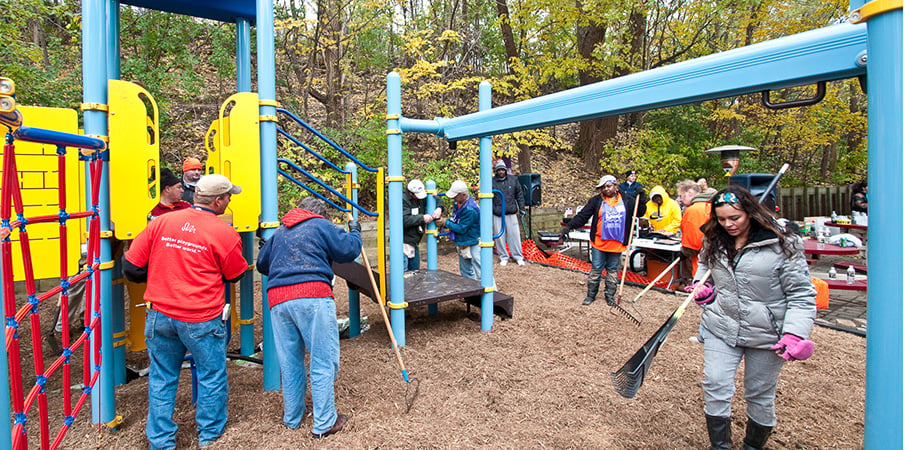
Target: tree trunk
502, 8
592, 133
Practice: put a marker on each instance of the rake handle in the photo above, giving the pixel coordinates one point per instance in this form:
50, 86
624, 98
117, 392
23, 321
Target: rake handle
383, 313
631, 237
691, 294
652, 283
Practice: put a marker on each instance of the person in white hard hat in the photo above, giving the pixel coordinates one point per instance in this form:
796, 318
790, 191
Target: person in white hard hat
414, 219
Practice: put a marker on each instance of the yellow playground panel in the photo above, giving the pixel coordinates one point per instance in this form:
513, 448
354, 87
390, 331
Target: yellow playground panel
38, 172
236, 139
134, 157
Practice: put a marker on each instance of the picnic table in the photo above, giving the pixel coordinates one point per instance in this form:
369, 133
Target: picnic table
812, 247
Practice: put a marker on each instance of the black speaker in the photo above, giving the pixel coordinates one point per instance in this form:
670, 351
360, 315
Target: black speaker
530, 188
757, 183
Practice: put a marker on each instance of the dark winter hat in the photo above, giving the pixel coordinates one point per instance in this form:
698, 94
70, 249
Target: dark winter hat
167, 178
630, 172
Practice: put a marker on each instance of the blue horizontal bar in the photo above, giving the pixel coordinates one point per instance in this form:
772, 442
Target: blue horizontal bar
826, 54
58, 138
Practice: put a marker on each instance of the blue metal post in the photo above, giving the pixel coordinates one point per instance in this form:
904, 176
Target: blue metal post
94, 91
431, 188
486, 197
883, 392
246, 287
267, 92
118, 299
394, 176
354, 295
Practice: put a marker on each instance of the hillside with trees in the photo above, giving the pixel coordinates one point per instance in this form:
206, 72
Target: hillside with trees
333, 57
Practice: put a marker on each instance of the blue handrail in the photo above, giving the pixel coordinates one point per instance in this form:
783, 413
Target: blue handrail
42, 136
310, 150
321, 184
326, 139
503, 210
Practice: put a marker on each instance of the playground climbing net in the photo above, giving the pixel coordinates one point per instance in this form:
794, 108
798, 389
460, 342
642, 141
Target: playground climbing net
88, 341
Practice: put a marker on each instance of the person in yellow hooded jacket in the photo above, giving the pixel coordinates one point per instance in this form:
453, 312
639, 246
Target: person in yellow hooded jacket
664, 213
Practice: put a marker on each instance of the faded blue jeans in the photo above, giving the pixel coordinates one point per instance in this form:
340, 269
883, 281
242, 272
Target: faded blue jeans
413, 263
601, 260
300, 324
471, 268
168, 339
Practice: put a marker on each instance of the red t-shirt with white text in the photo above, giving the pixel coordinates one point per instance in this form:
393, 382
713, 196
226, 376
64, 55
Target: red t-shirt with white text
188, 254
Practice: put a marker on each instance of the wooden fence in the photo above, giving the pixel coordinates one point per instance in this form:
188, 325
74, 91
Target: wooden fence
798, 203
794, 204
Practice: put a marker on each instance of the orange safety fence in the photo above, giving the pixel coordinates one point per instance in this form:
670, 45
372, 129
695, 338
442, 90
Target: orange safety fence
532, 253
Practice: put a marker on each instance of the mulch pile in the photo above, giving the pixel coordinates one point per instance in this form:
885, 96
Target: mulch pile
539, 380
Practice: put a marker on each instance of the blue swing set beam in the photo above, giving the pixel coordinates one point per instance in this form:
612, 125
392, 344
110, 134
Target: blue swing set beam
825, 54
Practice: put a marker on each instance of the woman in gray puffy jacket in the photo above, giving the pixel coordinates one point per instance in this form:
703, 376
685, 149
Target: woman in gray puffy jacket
761, 306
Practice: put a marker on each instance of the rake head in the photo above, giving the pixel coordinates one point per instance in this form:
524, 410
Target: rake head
635, 317
411, 393
628, 379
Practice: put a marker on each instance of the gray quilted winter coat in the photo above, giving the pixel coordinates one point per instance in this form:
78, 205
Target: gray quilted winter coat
765, 294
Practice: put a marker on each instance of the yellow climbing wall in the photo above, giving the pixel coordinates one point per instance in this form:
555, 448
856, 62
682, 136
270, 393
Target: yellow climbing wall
236, 155
134, 157
38, 172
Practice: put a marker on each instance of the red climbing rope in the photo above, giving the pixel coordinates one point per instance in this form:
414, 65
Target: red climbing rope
89, 340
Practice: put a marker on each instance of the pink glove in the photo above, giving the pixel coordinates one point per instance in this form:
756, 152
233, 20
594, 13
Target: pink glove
793, 348
428, 218
705, 294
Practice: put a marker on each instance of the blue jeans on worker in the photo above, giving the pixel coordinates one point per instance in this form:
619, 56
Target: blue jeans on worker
413, 263
470, 267
762, 368
299, 325
168, 340
601, 260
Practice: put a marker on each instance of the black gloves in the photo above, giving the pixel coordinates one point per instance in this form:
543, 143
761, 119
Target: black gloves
354, 226
564, 233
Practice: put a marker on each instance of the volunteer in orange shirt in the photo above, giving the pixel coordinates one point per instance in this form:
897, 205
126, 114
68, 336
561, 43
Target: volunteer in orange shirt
610, 214
697, 213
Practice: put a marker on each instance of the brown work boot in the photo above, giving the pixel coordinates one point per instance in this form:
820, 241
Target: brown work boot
337, 427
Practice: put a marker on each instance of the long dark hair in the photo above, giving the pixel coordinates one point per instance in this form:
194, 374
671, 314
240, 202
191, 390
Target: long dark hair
719, 240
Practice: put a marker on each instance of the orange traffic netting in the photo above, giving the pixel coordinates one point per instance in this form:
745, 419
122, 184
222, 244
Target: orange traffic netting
16, 229
532, 253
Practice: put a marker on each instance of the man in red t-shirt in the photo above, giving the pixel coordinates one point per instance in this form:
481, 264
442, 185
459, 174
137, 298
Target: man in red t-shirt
186, 256
170, 195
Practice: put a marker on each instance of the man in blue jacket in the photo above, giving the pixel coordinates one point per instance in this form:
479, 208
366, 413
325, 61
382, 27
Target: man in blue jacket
464, 229
297, 260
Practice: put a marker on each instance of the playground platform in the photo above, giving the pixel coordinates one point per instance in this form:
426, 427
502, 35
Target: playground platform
426, 287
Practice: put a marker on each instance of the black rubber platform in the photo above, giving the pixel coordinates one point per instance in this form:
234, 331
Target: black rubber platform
425, 287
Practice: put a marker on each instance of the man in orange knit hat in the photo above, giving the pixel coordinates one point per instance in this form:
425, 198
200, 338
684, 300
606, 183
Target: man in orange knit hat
191, 173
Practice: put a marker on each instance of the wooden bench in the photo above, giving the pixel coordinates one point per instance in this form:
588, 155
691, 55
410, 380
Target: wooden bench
843, 266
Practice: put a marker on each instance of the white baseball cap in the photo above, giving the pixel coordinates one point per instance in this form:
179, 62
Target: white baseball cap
416, 187
458, 187
606, 179
215, 184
